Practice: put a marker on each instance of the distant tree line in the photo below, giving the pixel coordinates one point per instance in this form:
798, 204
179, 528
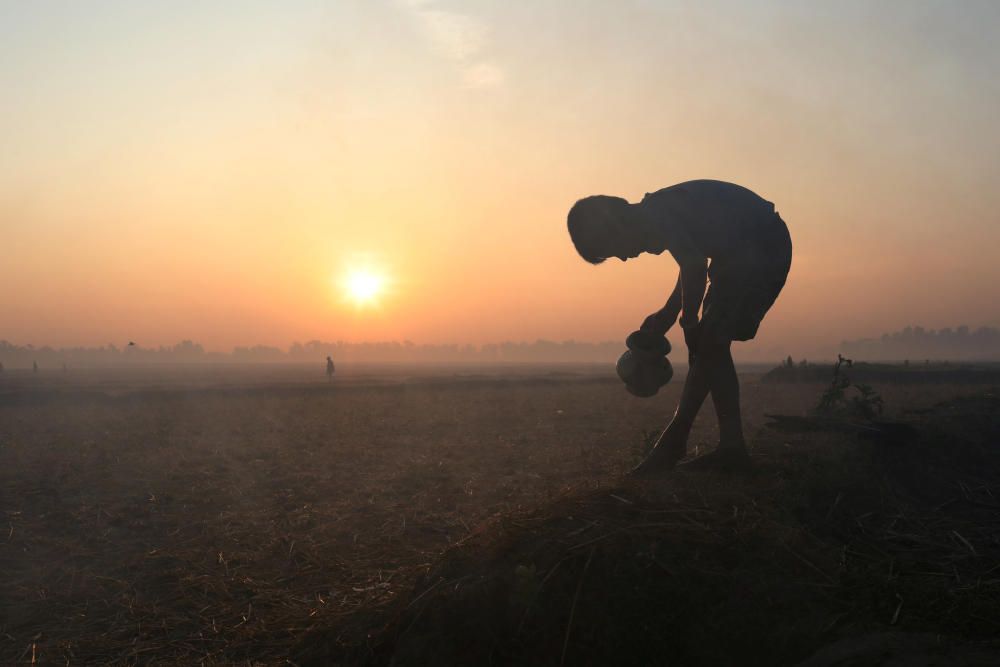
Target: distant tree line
539, 351
918, 344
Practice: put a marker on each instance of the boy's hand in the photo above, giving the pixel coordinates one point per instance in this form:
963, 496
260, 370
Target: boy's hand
653, 324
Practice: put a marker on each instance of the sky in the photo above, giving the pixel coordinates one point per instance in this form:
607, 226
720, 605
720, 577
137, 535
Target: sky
217, 170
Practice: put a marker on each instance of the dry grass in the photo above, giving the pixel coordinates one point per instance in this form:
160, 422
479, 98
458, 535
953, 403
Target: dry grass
217, 526
830, 541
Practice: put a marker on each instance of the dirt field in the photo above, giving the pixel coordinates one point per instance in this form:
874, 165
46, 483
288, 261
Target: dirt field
214, 518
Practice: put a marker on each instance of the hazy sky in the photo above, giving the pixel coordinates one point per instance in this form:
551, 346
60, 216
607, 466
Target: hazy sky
211, 170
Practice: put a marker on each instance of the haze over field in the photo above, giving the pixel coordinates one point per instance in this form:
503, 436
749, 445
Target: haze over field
266, 172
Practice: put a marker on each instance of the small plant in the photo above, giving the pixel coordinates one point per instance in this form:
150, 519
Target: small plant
865, 401
834, 397
868, 403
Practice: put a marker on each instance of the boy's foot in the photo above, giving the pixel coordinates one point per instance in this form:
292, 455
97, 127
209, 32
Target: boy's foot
661, 460
723, 459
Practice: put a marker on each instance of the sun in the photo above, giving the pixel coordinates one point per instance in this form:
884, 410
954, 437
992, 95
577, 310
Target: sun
364, 286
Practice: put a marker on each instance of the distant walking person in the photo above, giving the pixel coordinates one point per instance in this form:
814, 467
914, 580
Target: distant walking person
750, 252
329, 368
34, 366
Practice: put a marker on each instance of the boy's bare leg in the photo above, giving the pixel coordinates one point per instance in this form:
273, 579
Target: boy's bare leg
731, 453
671, 446
712, 371
726, 398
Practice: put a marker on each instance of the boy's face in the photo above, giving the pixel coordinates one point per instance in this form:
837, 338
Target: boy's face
616, 242
629, 248
618, 237
608, 230
625, 242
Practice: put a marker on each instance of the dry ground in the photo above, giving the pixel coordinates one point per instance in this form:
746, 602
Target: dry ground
199, 523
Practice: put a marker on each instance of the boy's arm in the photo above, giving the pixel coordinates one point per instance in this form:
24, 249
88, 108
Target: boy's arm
690, 290
694, 274
661, 321
693, 279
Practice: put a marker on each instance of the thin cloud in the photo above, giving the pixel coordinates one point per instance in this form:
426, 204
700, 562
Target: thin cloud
484, 75
459, 38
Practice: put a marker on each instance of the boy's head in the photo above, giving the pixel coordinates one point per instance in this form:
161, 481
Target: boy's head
602, 227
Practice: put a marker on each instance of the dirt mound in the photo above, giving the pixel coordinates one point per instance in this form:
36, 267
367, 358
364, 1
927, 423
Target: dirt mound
831, 539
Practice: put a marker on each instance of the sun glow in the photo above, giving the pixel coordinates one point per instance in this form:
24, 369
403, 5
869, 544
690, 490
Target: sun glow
364, 286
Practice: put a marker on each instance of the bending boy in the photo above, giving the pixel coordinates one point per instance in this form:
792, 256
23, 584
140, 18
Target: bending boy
720, 234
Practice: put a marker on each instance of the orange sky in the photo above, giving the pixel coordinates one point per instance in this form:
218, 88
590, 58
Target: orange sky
177, 171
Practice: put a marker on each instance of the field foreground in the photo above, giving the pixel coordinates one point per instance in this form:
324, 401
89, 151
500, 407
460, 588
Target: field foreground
257, 523
833, 552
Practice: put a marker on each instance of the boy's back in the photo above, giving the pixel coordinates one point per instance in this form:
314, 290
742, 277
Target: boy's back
718, 217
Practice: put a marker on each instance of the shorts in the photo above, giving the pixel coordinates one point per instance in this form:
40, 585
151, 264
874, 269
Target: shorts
744, 286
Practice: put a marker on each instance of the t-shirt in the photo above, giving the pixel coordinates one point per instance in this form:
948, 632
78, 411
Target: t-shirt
714, 218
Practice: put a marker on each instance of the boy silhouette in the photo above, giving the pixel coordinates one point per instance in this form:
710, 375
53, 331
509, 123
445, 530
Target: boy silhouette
750, 252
